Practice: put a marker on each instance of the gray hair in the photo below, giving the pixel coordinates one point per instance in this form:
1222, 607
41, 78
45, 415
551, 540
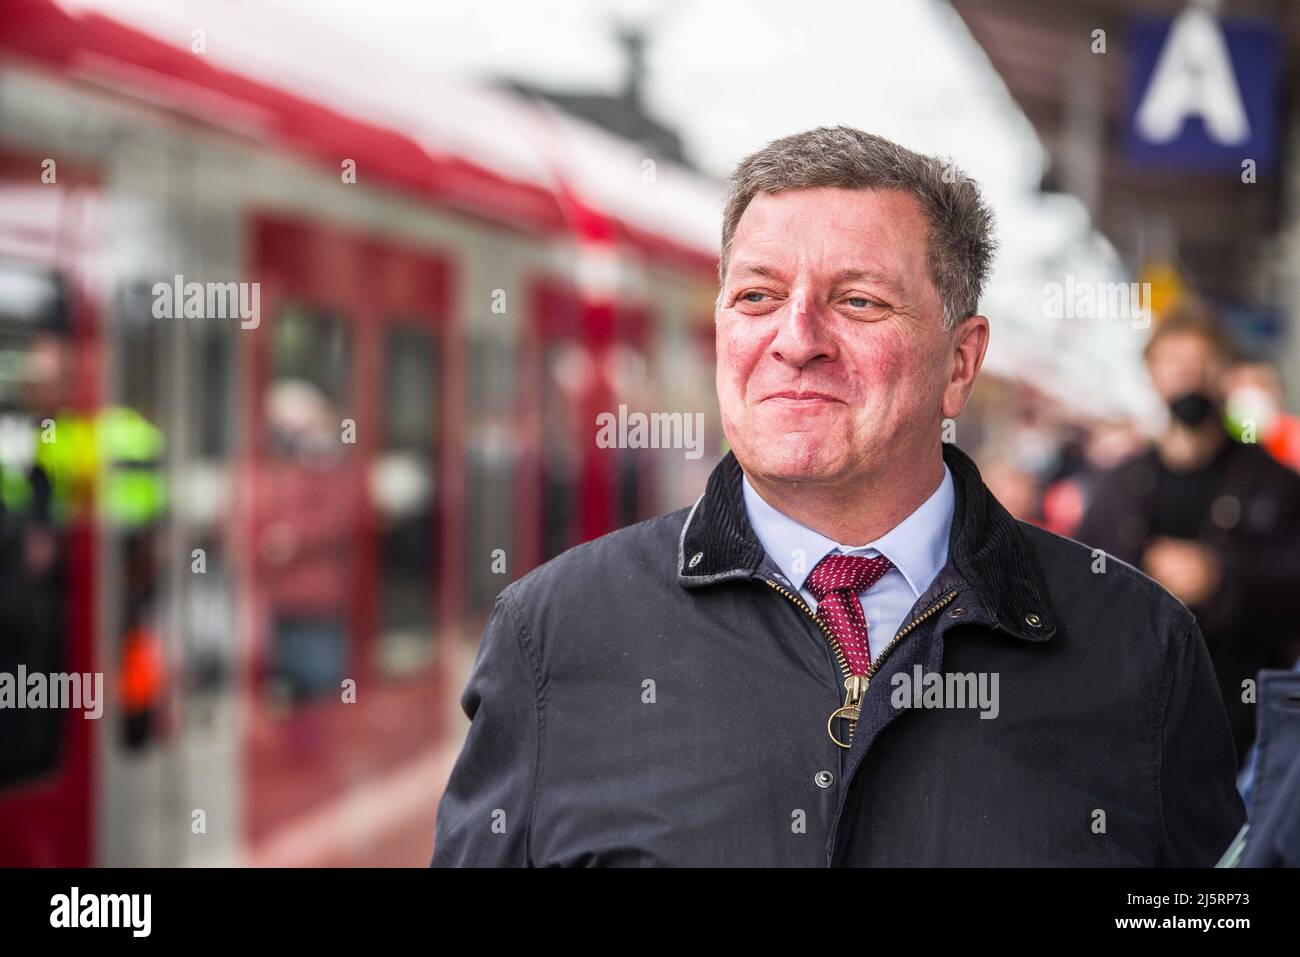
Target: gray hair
960, 245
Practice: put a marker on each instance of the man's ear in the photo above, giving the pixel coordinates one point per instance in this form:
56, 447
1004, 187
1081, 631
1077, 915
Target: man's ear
967, 346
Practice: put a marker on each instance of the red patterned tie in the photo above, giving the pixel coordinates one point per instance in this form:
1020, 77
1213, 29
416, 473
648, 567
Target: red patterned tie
835, 583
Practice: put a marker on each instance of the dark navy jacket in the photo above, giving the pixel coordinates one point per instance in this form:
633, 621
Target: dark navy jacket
652, 698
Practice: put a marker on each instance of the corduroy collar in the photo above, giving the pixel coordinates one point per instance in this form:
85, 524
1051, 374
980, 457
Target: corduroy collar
986, 546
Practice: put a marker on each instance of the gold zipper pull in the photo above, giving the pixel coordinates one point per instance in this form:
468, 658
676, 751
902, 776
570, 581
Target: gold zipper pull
855, 686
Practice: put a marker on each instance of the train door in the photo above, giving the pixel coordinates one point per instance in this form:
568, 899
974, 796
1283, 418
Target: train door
346, 533
49, 394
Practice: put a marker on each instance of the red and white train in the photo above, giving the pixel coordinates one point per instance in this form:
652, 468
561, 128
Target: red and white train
452, 284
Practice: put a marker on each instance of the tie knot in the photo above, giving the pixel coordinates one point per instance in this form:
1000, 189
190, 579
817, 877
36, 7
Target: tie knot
853, 573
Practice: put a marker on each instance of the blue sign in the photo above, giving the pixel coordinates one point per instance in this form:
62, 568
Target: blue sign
1203, 93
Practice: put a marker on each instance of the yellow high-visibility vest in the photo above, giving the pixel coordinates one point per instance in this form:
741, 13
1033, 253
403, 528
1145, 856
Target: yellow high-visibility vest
70, 448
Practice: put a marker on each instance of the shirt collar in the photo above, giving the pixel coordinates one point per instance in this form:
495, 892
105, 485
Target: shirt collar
990, 552
917, 546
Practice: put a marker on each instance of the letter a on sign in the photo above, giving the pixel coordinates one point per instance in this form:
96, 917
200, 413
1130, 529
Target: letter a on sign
1204, 92
1194, 77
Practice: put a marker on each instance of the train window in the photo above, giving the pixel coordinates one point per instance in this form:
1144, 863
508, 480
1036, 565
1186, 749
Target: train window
32, 314
207, 599
490, 462
216, 356
568, 374
133, 449
208, 611
306, 499
313, 348
626, 370
403, 488
32, 298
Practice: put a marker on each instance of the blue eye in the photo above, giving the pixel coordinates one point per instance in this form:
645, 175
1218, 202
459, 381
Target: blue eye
746, 296
859, 302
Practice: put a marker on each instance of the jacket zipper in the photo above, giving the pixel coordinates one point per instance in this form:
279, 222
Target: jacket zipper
855, 686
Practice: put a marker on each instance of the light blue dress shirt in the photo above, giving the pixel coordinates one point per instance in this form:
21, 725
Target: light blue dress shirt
918, 547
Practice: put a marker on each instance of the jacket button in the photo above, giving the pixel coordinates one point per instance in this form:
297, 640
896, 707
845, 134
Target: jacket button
957, 612
1032, 620
824, 779
695, 559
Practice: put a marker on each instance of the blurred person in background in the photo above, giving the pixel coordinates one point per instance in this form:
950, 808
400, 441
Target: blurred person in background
1014, 486
1032, 469
1027, 452
1214, 520
1254, 410
60, 464
1094, 448
304, 534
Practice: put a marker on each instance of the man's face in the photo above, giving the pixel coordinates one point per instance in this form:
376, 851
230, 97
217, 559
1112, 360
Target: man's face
830, 348
1183, 362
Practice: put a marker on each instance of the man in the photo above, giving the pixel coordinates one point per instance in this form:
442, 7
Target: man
664, 695
1214, 520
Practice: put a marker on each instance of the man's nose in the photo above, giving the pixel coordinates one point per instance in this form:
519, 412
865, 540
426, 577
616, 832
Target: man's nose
802, 336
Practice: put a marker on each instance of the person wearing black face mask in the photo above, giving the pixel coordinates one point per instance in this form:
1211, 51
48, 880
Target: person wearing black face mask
1192, 408
1214, 520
